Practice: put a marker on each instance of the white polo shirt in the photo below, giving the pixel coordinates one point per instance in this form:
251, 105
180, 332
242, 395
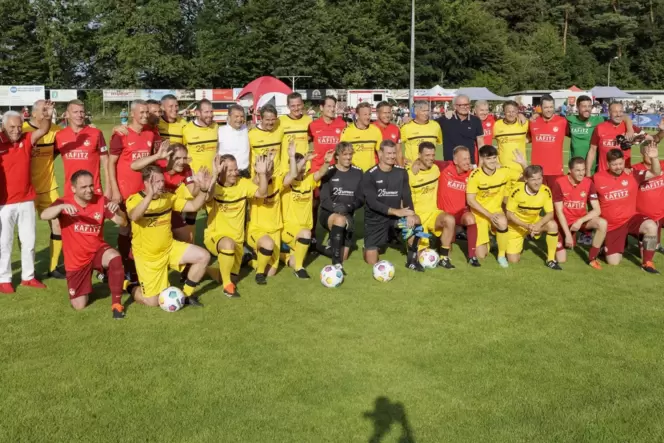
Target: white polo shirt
235, 142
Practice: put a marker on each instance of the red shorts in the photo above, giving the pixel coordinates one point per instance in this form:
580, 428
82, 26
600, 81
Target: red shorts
561, 233
615, 239
79, 281
549, 180
459, 215
177, 220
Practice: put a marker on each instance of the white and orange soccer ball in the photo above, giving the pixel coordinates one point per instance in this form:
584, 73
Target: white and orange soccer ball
428, 258
171, 299
331, 276
383, 271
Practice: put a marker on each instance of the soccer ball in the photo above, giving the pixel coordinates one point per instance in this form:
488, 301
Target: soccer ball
428, 258
331, 276
171, 299
383, 271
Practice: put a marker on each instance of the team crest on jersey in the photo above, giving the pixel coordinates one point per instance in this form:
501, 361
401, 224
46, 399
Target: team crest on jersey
624, 182
488, 124
86, 143
20, 145
97, 216
583, 194
394, 136
338, 131
72, 292
149, 143
555, 129
588, 124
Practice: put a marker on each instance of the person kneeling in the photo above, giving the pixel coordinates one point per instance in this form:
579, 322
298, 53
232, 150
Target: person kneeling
81, 217
524, 206
154, 248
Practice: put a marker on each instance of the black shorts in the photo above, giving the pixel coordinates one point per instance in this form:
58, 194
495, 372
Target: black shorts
323, 218
379, 231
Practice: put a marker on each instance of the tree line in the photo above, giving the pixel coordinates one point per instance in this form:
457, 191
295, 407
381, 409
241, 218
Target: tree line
506, 46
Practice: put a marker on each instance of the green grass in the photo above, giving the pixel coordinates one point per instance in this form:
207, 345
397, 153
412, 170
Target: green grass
476, 355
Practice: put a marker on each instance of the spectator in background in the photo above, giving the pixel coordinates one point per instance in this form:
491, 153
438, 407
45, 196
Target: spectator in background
461, 128
26, 113
563, 109
124, 117
233, 139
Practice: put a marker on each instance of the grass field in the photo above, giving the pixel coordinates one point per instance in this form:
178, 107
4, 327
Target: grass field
469, 355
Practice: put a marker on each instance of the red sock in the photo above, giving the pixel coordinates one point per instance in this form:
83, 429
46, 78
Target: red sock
471, 234
115, 274
594, 252
124, 248
648, 256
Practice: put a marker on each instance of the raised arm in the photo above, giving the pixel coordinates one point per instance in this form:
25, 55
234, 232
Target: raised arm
45, 124
318, 175
203, 179
118, 217
164, 153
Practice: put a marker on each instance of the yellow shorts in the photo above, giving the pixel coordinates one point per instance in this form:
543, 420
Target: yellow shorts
46, 199
515, 237
153, 274
211, 240
428, 220
252, 241
289, 234
484, 228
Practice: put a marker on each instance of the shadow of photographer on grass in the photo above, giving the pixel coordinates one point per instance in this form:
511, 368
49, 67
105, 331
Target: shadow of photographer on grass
384, 416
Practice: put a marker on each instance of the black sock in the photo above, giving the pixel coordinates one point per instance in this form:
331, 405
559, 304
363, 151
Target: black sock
412, 251
444, 252
336, 243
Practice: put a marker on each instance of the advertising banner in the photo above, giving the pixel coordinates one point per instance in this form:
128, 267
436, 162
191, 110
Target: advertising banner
215, 95
121, 95
63, 95
21, 95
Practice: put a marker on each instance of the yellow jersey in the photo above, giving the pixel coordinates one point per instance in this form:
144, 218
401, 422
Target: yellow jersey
171, 131
528, 207
265, 214
227, 209
262, 142
201, 142
296, 130
43, 156
297, 202
151, 235
490, 190
424, 189
510, 138
413, 133
365, 144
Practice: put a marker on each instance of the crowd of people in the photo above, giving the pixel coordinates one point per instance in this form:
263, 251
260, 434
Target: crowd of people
264, 190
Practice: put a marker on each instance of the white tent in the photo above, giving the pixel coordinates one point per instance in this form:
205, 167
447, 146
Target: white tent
479, 94
609, 92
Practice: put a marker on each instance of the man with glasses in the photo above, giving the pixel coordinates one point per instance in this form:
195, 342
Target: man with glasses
461, 129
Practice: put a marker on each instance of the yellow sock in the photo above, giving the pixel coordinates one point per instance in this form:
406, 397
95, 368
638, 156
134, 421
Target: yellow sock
55, 250
264, 257
188, 289
226, 261
301, 250
502, 239
551, 245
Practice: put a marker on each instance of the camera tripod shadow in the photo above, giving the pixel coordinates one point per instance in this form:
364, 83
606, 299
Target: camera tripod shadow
385, 415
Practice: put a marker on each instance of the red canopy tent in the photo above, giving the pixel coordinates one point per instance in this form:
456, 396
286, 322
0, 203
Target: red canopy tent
264, 85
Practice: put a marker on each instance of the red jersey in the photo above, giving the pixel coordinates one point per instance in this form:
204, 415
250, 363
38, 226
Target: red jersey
547, 138
650, 197
574, 198
325, 137
127, 148
15, 171
83, 232
604, 137
175, 179
451, 188
390, 132
617, 195
82, 150
487, 125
